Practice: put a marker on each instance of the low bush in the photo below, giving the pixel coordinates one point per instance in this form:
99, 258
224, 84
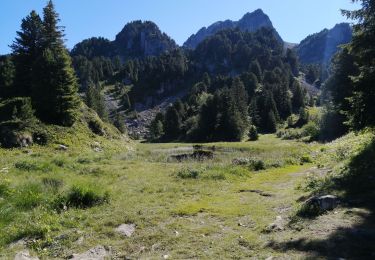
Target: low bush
32, 166
257, 165
85, 197
188, 174
306, 159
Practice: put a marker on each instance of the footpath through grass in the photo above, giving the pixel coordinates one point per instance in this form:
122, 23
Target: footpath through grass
56, 203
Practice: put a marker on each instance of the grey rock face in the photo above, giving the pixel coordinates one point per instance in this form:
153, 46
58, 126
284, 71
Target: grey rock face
249, 22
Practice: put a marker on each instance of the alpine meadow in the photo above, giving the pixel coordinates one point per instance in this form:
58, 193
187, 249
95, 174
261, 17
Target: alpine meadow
235, 144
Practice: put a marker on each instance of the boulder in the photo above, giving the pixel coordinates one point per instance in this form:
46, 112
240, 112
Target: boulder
324, 203
126, 230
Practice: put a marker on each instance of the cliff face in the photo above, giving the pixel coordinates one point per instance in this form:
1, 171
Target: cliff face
320, 47
249, 22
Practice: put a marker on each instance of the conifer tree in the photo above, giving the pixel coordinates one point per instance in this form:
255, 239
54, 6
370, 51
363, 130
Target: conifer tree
253, 133
271, 122
27, 47
6, 76
172, 123
95, 100
119, 122
362, 48
54, 89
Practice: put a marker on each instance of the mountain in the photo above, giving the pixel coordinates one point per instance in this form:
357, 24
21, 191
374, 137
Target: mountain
250, 22
142, 39
136, 40
320, 47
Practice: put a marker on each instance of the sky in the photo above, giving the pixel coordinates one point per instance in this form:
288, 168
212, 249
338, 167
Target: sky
293, 19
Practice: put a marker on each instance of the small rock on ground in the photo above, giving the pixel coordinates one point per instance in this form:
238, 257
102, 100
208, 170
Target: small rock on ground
24, 255
96, 253
126, 229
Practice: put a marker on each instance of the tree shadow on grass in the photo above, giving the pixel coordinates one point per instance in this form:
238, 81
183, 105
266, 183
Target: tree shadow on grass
357, 183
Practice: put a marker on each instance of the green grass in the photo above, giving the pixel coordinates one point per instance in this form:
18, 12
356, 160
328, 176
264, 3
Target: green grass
189, 209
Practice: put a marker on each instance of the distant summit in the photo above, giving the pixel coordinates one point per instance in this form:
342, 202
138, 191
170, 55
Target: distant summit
320, 47
142, 39
249, 22
136, 40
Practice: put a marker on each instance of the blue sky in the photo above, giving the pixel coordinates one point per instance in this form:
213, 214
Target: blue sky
293, 19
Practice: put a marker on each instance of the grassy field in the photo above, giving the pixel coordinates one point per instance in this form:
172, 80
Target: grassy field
57, 203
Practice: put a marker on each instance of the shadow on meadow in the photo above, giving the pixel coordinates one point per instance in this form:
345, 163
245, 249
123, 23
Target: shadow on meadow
357, 184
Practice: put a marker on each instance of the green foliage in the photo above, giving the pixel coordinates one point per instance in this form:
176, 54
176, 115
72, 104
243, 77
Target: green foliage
95, 100
85, 197
17, 109
7, 73
188, 174
27, 47
28, 196
312, 130
157, 128
43, 69
119, 122
253, 133
257, 165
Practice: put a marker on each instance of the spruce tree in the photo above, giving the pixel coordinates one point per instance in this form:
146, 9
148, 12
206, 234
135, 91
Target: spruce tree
95, 100
27, 47
253, 133
119, 122
54, 89
271, 122
172, 123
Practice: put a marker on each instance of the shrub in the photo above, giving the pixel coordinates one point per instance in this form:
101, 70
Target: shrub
16, 108
312, 130
85, 197
26, 166
257, 165
188, 174
308, 210
32, 166
96, 127
40, 138
306, 159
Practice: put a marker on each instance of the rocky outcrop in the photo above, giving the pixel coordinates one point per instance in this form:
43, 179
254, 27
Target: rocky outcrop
249, 22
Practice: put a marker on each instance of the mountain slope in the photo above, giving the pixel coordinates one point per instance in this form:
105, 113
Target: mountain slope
320, 47
249, 22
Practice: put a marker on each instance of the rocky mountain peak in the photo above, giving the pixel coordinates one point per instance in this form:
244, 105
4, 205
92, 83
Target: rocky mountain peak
141, 39
249, 22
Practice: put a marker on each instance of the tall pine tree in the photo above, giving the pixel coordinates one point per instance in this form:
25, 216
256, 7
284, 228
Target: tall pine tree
54, 89
27, 48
